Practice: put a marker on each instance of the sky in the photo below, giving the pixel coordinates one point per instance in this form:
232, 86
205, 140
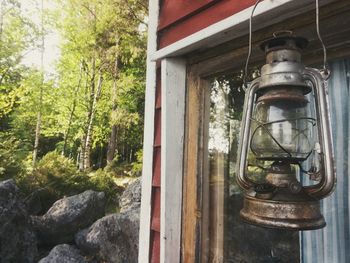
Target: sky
52, 51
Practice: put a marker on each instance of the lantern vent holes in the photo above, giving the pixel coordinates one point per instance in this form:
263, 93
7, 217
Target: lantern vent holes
277, 43
284, 43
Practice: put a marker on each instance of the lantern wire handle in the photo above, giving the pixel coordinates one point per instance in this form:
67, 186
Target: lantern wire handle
326, 71
250, 47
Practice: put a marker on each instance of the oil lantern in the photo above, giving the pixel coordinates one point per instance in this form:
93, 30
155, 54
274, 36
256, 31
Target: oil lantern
285, 164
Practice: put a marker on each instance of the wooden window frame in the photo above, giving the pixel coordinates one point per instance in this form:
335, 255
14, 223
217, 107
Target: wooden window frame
196, 185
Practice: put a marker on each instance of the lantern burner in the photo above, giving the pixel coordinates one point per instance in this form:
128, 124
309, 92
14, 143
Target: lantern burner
283, 63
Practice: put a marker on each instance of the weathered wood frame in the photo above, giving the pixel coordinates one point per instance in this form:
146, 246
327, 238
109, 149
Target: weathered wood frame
195, 158
173, 113
147, 169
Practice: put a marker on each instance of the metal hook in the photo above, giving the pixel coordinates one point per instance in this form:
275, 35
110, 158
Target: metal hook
282, 33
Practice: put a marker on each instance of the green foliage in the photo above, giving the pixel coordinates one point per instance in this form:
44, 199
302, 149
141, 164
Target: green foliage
56, 176
17, 33
12, 153
110, 42
101, 180
98, 86
137, 166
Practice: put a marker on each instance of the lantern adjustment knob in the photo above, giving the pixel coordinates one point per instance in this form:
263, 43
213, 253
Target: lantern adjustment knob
264, 191
295, 187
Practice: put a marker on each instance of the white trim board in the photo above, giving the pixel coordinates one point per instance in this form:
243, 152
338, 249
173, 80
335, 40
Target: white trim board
173, 119
268, 12
147, 168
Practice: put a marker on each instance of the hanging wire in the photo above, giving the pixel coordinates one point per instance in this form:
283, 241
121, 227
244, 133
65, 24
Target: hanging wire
250, 47
325, 67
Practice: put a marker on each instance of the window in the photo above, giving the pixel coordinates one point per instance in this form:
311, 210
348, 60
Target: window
212, 228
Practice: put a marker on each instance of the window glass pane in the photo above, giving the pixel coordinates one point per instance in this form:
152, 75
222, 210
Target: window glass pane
332, 243
230, 239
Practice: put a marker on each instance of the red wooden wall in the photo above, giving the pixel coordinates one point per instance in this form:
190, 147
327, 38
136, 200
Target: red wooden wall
181, 18
155, 211
178, 19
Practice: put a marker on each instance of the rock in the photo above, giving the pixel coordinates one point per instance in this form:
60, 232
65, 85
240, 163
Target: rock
113, 238
64, 254
131, 197
17, 239
69, 215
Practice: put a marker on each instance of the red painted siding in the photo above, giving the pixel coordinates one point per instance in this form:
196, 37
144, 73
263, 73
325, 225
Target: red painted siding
157, 126
155, 223
155, 214
155, 248
187, 24
172, 11
158, 91
156, 167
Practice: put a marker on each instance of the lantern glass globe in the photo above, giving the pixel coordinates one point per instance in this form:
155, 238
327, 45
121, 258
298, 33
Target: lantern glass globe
282, 126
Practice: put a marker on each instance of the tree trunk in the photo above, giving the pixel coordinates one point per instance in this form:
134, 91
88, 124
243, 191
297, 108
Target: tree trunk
90, 98
74, 104
112, 143
81, 154
2, 11
89, 130
37, 132
39, 115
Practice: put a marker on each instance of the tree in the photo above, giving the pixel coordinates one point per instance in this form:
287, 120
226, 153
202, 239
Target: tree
41, 93
17, 34
106, 45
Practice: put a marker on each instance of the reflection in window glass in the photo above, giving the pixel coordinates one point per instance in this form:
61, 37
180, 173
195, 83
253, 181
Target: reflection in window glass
230, 239
332, 243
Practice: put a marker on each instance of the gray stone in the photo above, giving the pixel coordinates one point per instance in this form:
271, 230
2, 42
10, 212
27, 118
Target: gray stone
69, 215
131, 197
17, 239
64, 254
113, 238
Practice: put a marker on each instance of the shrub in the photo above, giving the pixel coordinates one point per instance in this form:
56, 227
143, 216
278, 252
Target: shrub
137, 166
12, 153
121, 169
56, 176
101, 180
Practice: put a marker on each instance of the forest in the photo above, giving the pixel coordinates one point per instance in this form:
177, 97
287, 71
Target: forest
79, 126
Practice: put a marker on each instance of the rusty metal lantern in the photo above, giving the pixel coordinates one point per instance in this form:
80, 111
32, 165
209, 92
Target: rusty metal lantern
286, 127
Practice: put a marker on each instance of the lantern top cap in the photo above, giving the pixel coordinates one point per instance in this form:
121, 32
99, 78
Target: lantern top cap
279, 42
